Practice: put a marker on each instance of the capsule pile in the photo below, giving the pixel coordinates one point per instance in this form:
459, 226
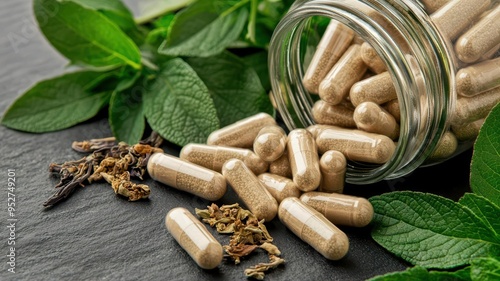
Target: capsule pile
357, 93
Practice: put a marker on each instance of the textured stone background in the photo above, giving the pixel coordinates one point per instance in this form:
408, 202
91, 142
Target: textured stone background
96, 235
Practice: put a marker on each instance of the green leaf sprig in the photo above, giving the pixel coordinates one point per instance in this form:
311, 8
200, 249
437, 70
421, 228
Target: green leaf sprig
433, 232
173, 68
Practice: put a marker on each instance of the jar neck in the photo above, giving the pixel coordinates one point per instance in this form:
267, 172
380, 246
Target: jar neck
416, 56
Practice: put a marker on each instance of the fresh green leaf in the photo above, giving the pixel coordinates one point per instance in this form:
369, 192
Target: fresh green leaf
485, 165
126, 116
419, 273
118, 13
258, 61
202, 30
486, 211
150, 9
162, 26
235, 87
429, 230
485, 269
57, 103
178, 105
85, 35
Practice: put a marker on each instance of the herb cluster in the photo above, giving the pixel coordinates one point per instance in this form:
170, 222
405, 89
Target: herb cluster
185, 68
433, 232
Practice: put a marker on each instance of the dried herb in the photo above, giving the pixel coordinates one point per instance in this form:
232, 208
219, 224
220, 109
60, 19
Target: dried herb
115, 163
248, 234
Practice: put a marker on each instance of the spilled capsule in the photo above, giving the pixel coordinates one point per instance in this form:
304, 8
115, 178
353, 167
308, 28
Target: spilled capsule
313, 228
194, 238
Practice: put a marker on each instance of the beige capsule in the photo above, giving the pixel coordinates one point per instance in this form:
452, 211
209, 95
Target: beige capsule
333, 167
186, 176
281, 166
329, 114
370, 117
347, 71
378, 89
356, 145
303, 156
432, 5
340, 209
469, 131
270, 143
478, 78
393, 108
242, 133
470, 109
214, 156
194, 238
372, 59
250, 189
446, 146
279, 187
316, 129
480, 38
332, 45
313, 228
455, 16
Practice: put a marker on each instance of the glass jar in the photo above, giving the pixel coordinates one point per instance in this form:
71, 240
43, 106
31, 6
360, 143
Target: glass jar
425, 49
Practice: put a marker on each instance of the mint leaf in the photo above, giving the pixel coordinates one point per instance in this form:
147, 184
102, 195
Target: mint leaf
203, 29
117, 12
485, 165
126, 116
235, 88
57, 103
485, 269
429, 230
178, 105
84, 35
258, 62
418, 273
486, 211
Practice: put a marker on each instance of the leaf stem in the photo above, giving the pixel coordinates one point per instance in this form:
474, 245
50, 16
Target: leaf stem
252, 21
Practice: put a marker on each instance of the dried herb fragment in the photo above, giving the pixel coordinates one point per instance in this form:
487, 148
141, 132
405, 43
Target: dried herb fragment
248, 234
115, 163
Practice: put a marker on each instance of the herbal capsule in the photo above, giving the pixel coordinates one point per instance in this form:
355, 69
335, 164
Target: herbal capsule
316, 129
455, 16
371, 59
279, 187
474, 108
270, 143
447, 145
393, 108
469, 131
478, 78
329, 114
186, 176
372, 118
281, 166
333, 167
313, 228
304, 160
347, 71
333, 44
356, 145
214, 156
241, 133
340, 209
378, 89
194, 238
480, 38
249, 188
432, 5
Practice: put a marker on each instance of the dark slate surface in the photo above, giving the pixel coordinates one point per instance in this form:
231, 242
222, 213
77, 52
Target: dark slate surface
96, 235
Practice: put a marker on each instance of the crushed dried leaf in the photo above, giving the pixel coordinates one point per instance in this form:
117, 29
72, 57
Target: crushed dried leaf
248, 234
